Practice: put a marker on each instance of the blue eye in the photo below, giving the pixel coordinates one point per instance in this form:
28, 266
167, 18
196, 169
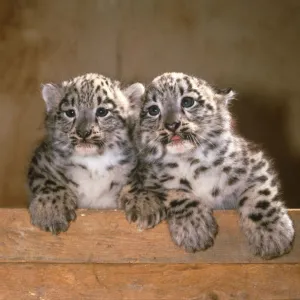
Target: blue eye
70, 113
153, 110
187, 102
101, 112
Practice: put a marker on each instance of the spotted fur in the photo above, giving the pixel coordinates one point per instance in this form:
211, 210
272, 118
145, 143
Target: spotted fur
191, 161
86, 155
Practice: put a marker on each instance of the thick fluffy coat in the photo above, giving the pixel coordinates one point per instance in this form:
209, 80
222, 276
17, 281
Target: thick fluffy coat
86, 155
191, 161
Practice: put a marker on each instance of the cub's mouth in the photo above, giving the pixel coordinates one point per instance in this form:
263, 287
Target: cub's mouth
176, 139
179, 143
86, 148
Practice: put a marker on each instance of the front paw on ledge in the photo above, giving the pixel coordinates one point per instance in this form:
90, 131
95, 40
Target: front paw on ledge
145, 208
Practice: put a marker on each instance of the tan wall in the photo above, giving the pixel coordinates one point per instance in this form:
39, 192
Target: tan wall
252, 46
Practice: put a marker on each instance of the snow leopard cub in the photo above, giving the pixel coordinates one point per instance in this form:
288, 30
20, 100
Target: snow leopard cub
86, 155
191, 162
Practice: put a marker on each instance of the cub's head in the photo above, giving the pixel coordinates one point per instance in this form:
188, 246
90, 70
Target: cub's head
88, 114
180, 113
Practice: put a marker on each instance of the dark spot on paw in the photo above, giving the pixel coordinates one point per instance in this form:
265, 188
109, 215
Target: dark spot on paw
215, 192
258, 166
271, 212
275, 220
255, 217
262, 204
243, 200
264, 224
274, 181
232, 155
240, 171
233, 180
276, 198
265, 192
261, 179
172, 165
226, 169
188, 214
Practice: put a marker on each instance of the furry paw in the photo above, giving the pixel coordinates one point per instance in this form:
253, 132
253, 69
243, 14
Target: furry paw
193, 228
270, 239
145, 208
53, 212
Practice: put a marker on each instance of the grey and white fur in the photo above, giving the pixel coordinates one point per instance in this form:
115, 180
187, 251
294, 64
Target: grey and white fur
191, 161
86, 156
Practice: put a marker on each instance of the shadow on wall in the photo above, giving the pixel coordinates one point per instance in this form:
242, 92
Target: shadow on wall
264, 121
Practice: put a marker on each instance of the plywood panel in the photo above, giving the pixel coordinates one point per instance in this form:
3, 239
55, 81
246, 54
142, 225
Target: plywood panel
106, 237
228, 43
43, 41
188, 282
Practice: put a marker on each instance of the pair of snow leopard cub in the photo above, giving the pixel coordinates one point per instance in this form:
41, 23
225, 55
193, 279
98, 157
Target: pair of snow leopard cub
166, 151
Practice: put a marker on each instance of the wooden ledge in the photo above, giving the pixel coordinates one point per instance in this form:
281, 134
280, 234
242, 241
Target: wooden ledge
149, 282
104, 257
106, 237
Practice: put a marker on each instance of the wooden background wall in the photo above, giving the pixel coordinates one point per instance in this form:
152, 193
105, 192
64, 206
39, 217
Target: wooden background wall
252, 46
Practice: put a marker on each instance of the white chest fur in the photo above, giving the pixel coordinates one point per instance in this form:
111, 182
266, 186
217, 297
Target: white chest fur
99, 179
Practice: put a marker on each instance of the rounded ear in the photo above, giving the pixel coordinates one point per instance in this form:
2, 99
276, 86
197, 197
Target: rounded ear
134, 92
225, 95
52, 94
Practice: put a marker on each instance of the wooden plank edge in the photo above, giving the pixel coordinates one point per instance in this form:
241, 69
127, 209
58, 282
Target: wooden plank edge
149, 281
106, 237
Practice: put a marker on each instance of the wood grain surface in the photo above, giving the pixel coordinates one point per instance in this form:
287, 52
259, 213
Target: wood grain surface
149, 281
106, 237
